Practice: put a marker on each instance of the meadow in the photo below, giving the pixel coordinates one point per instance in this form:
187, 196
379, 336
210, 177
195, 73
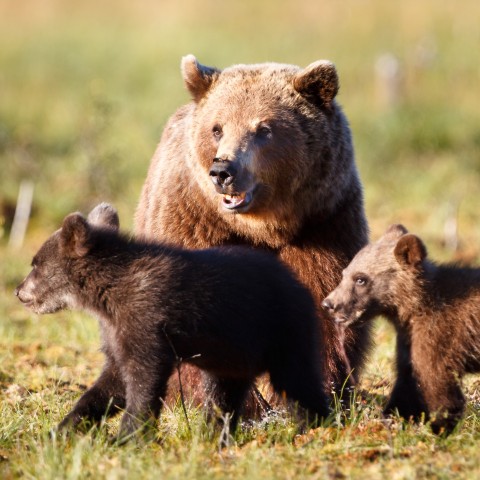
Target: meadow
85, 89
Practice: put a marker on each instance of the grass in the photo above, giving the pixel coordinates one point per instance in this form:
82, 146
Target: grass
85, 89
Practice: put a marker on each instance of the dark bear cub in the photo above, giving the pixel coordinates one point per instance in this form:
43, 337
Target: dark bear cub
436, 311
233, 312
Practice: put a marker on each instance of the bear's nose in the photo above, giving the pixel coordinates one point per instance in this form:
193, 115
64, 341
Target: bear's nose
327, 304
222, 172
21, 295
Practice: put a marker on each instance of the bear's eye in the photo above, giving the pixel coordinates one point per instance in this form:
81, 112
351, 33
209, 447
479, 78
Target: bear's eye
264, 131
361, 281
217, 132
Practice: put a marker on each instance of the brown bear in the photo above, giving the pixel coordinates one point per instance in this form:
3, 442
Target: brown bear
158, 304
263, 156
436, 312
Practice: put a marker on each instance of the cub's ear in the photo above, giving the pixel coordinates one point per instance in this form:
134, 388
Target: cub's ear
318, 80
395, 231
104, 216
410, 251
197, 77
74, 236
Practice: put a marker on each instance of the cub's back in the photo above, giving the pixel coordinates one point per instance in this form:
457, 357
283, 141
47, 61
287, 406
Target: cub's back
249, 287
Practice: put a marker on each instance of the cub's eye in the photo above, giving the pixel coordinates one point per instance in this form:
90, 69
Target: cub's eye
264, 131
217, 132
361, 281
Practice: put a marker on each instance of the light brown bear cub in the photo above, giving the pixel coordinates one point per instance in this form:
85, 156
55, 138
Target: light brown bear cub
436, 311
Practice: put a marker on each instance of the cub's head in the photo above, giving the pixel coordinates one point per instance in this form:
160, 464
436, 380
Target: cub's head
378, 278
49, 287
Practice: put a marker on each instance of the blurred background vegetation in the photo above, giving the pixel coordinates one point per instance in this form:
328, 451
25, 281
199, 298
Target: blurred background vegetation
86, 87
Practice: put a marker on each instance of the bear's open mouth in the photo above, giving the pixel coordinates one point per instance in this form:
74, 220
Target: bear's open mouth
28, 303
237, 201
347, 320
343, 320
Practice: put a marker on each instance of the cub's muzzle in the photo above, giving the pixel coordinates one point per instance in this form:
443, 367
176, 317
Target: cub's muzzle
25, 297
327, 304
333, 309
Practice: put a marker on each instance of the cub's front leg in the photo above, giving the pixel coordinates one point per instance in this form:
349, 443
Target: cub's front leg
104, 399
440, 385
146, 386
406, 397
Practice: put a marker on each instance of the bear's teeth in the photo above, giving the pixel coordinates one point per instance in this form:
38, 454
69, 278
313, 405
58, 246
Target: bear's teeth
235, 199
359, 313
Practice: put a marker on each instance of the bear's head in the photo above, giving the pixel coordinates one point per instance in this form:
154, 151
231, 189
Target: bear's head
379, 278
49, 288
268, 141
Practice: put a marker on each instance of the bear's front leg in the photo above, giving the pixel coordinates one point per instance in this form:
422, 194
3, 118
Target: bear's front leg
299, 377
104, 399
406, 397
448, 410
226, 395
146, 387
440, 384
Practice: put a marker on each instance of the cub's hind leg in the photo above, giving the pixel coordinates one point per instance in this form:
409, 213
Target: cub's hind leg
104, 399
228, 396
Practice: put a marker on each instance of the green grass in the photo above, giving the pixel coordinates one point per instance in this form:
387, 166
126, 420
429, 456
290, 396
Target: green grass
85, 89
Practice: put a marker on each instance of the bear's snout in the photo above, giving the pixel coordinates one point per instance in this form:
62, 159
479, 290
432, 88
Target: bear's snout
222, 173
331, 304
23, 295
336, 309
328, 304
234, 183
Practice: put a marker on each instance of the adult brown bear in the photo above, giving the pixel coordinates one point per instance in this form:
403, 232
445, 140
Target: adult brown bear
263, 156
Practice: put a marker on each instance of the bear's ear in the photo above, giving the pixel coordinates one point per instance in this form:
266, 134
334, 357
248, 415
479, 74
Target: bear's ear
318, 80
410, 251
197, 77
104, 216
395, 231
74, 236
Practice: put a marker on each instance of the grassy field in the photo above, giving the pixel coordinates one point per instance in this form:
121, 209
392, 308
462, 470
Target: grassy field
85, 89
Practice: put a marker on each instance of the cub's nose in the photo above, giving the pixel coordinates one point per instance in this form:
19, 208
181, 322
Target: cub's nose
18, 293
222, 172
22, 295
328, 304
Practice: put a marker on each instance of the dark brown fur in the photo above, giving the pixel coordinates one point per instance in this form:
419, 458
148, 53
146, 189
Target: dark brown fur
263, 156
234, 313
436, 311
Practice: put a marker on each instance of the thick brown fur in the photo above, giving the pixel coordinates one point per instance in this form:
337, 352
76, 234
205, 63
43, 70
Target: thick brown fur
234, 313
436, 311
263, 156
